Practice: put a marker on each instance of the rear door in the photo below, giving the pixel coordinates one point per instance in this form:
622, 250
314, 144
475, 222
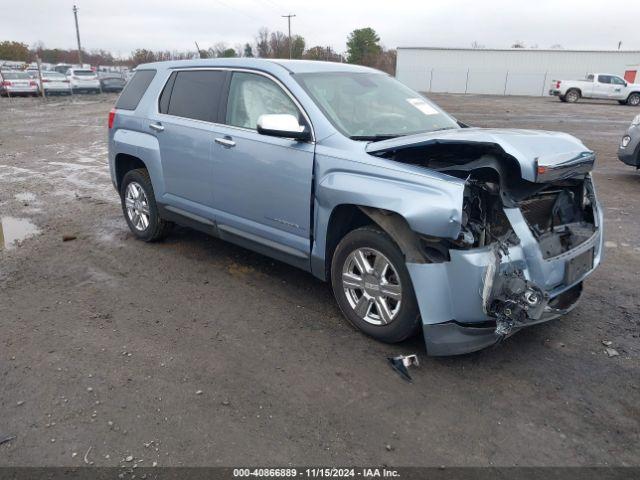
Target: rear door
184, 125
602, 88
262, 184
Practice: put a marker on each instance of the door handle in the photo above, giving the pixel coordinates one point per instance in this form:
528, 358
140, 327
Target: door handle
226, 142
156, 126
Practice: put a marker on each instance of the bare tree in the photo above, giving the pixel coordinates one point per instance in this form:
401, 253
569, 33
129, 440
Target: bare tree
518, 44
477, 46
262, 43
278, 45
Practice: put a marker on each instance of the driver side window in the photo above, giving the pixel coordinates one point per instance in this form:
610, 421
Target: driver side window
252, 95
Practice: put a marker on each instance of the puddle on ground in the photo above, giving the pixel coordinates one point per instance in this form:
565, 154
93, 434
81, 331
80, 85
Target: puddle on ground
14, 230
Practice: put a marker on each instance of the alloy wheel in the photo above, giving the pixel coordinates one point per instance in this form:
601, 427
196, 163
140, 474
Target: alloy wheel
372, 286
137, 206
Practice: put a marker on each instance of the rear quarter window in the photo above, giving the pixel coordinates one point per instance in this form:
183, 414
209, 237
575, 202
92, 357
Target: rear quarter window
133, 92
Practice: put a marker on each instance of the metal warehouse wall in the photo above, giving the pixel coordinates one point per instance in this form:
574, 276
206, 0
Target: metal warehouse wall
502, 72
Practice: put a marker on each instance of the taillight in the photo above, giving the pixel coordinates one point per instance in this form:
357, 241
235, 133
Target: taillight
112, 117
6, 83
45, 80
33, 84
558, 84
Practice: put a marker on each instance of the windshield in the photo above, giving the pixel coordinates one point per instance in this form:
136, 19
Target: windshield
371, 106
84, 73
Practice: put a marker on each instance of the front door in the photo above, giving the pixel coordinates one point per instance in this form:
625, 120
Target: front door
262, 184
618, 88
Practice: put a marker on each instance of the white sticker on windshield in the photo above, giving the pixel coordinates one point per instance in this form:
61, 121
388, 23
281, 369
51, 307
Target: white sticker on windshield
423, 106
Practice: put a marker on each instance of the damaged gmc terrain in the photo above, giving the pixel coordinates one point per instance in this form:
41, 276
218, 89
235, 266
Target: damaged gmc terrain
417, 220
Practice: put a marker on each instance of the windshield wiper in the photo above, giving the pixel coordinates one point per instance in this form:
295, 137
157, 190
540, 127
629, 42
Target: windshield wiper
374, 138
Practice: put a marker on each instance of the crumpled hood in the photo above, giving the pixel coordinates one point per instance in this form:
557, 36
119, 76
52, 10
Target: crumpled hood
535, 150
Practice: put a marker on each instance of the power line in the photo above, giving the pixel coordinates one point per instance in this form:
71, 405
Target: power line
288, 17
233, 7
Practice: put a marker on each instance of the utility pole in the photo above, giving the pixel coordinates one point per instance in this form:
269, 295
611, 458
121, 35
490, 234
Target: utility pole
75, 15
288, 17
198, 48
619, 44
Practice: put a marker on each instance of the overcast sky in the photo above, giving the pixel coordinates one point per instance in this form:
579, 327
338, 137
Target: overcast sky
121, 26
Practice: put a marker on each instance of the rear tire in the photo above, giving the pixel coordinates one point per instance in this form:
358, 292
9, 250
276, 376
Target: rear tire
139, 207
572, 96
633, 100
380, 300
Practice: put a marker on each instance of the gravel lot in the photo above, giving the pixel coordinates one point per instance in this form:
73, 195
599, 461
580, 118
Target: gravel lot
196, 352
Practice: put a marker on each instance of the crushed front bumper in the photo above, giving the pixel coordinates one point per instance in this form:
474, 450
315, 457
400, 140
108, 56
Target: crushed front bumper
452, 295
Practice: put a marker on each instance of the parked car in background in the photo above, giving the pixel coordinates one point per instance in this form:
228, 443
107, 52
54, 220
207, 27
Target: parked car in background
62, 68
14, 83
55, 83
629, 149
602, 86
112, 82
83, 80
467, 234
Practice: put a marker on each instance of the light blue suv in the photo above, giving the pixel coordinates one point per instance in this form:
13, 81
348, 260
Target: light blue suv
418, 221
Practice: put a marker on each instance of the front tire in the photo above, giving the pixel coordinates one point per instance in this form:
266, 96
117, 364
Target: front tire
372, 286
139, 207
633, 99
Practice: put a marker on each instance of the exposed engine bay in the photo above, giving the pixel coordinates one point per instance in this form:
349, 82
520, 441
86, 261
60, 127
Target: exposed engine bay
559, 213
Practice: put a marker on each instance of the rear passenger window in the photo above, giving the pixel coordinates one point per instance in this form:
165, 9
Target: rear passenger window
252, 95
197, 94
133, 92
604, 79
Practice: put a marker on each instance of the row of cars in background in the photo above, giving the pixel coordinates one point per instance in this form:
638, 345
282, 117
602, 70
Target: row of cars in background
76, 80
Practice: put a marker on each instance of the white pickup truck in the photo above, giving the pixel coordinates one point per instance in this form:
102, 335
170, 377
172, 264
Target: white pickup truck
597, 85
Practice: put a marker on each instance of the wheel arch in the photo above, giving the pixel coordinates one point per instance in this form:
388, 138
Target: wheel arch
346, 218
404, 208
131, 149
125, 162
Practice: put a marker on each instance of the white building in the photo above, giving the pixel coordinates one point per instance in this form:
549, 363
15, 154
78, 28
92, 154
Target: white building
514, 71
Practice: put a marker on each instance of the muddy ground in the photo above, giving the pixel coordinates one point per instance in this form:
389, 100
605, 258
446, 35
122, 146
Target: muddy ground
196, 352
